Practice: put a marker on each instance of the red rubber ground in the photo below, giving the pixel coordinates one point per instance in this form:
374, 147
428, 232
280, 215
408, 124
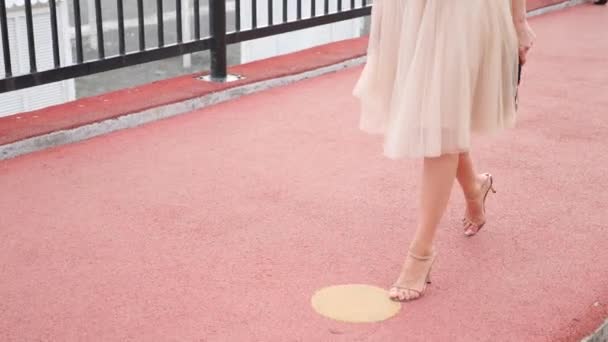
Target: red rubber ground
220, 225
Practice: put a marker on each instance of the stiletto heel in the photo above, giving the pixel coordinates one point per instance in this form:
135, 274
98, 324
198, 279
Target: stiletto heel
471, 228
401, 293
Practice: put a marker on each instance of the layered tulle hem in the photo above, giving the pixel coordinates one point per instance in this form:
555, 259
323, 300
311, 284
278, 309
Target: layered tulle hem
437, 72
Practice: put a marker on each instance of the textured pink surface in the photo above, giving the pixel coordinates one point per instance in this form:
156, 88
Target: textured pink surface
151, 95
220, 225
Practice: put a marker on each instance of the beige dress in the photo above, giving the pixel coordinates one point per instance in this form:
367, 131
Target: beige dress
437, 71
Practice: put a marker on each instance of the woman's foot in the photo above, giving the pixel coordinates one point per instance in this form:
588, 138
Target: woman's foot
414, 278
475, 217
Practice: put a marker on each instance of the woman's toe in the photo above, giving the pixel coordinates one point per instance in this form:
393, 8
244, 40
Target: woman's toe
470, 230
402, 295
411, 295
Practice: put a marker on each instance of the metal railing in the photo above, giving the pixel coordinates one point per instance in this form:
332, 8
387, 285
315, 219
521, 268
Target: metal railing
319, 12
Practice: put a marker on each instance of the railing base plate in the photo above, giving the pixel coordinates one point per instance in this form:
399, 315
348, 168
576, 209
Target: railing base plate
227, 79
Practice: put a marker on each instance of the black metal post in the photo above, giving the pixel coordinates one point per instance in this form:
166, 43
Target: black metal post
121, 27
299, 9
6, 46
55, 34
254, 13
101, 51
141, 25
160, 23
78, 29
29, 23
269, 3
197, 20
178, 20
285, 10
237, 15
217, 29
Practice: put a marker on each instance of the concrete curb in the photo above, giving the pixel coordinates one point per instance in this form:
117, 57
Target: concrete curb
557, 7
137, 118
600, 335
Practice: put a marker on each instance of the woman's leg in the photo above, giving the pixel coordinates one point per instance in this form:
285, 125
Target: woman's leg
471, 184
437, 181
467, 178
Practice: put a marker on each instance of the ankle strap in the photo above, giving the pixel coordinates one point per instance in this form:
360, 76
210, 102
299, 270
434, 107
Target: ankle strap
421, 258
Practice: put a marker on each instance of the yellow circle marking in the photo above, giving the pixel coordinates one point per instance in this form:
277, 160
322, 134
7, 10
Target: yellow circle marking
354, 303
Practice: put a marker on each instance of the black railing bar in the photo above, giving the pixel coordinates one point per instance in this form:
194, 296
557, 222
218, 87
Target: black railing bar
237, 37
160, 23
285, 11
313, 8
197, 20
6, 47
270, 11
54, 33
98, 66
99, 26
121, 27
178, 20
78, 32
352, 4
31, 45
326, 7
339, 5
299, 10
254, 13
141, 25
237, 15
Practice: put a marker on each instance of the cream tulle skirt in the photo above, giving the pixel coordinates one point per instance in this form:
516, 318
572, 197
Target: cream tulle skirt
438, 71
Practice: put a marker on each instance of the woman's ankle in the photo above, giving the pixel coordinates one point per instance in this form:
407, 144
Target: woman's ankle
474, 193
421, 249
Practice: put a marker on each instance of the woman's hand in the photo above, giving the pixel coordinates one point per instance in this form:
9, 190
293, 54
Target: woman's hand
526, 39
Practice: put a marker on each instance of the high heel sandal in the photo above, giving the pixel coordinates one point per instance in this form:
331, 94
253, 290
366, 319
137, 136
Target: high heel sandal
471, 228
405, 294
